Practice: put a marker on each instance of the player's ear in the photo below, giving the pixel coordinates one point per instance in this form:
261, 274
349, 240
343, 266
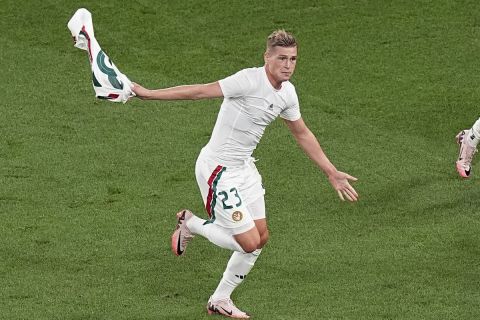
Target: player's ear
265, 56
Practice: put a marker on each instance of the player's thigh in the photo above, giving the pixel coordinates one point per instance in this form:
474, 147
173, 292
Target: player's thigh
257, 211
257, 208
203, 171
227, 204
253, 191
224, 203
261, 226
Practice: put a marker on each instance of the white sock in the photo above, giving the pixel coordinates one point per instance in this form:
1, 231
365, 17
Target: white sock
237, 269
215, 234
474, 136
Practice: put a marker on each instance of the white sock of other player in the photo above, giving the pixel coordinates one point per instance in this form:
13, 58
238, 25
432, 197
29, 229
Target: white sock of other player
474, 136
237, 269
215, 234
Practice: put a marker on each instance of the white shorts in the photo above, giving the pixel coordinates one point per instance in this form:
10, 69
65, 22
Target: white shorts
230, 193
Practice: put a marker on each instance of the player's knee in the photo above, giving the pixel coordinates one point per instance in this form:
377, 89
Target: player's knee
251, 245
250, 240
264, 238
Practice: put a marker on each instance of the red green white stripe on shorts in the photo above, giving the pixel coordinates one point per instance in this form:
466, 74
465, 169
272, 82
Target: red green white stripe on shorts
212, 191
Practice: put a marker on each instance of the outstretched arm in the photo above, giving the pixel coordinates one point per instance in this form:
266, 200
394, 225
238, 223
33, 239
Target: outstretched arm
188, 92
309, 143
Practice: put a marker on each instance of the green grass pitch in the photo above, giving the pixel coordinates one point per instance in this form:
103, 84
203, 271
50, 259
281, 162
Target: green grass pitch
89, 189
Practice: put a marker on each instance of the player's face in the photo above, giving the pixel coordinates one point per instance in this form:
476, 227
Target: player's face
280, 63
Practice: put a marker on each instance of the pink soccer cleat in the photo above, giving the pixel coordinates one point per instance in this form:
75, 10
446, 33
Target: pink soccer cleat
182, 235
465, 155
225, 307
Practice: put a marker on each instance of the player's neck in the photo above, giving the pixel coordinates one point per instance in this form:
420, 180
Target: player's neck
275, 83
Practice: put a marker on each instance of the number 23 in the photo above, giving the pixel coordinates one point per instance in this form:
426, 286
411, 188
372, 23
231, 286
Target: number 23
225, 198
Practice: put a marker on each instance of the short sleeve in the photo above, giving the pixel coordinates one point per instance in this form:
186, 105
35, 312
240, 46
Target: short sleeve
292, 111
236, 85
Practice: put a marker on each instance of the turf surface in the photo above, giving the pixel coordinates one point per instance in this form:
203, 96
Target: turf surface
88, 189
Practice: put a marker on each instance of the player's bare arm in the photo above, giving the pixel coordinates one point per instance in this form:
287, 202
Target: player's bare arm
186, 92
309, 143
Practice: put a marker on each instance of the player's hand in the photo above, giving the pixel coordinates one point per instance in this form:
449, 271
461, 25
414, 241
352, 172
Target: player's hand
339, 181
140, 91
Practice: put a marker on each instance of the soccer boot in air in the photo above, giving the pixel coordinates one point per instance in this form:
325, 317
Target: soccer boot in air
182, 235
465, 155
225, 307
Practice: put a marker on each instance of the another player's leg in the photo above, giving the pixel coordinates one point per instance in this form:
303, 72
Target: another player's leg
468, 140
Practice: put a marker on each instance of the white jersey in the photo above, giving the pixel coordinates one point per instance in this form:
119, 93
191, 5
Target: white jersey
250, 104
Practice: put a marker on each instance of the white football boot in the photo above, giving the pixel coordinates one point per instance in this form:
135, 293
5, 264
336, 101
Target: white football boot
465, 155
225, 307
182, 235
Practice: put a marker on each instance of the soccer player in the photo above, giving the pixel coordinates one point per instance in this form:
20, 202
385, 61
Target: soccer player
229, 182
468, 140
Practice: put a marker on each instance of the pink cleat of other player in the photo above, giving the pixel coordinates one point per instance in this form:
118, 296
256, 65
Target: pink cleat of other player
465, 155
182, 235
225, 307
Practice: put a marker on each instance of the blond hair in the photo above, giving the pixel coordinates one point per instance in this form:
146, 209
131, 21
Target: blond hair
281, 38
